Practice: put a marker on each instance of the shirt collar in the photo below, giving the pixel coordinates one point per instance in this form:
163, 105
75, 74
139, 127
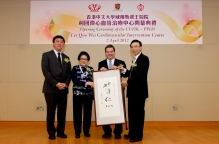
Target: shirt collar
57, 52
112, 60
136, 57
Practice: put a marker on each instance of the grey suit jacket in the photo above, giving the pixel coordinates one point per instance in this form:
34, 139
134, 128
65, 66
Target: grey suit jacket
54, 72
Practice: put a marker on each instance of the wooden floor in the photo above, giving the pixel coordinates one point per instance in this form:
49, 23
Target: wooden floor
154, 133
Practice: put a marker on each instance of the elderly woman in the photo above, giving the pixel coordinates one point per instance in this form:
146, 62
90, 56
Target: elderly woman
82, 94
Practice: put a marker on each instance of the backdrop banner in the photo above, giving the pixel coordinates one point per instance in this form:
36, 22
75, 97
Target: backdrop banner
116, 22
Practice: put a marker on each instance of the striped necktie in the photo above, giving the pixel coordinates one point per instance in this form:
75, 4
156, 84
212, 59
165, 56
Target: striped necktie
110, 64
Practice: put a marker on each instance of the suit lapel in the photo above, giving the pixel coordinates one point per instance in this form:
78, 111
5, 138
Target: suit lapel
105, 64
116, 62
133, 69
139, 58
63, 62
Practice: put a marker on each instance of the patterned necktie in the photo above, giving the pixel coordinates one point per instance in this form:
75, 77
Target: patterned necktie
110, 64
59, 58
134, 60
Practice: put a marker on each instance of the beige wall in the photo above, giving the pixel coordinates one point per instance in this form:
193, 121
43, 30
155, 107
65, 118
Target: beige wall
186, 76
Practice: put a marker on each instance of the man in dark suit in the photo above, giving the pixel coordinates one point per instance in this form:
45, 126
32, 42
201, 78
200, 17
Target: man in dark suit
137, 91
56, 68
111, 63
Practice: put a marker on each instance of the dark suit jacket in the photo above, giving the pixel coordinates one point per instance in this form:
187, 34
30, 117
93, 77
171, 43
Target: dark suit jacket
137, 82
54, 72
117, 62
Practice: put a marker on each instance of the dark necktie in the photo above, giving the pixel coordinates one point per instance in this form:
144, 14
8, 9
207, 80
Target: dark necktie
59, 58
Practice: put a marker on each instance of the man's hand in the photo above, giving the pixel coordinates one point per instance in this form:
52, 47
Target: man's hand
61, 86
64, 85
113, 67
121, 68
124, 84
103, 69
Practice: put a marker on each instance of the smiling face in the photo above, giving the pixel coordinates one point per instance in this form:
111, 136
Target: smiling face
83, 60
136, 48
110, 53
58, 44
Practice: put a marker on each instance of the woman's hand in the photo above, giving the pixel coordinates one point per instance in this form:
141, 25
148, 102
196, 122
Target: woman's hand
91, 84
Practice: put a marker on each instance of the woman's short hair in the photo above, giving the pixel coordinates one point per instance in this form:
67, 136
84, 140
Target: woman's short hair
83, 53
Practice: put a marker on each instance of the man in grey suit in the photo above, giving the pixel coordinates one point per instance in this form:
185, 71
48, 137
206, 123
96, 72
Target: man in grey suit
56, 68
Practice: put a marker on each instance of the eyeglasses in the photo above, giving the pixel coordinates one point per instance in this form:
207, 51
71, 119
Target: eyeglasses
83, 59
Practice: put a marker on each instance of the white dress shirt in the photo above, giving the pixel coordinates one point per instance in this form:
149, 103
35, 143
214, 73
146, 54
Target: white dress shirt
112, 61
57, 54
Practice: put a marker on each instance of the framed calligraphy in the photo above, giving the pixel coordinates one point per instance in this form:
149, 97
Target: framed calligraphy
108, 97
